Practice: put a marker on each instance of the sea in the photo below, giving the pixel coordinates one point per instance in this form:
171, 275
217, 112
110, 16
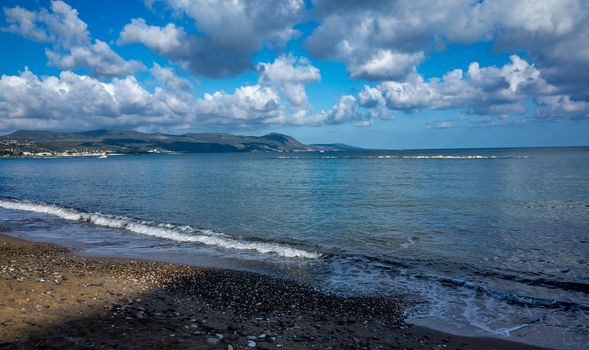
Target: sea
479, 242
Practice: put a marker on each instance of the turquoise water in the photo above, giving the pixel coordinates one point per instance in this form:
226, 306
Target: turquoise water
479, 242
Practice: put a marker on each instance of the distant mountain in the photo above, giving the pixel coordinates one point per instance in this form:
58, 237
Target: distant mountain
123, 141
335, 146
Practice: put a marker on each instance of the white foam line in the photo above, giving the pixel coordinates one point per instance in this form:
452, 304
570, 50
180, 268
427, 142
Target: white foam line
508, 331
404, 157
167, 231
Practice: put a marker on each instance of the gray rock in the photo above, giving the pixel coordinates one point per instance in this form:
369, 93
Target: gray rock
212, 340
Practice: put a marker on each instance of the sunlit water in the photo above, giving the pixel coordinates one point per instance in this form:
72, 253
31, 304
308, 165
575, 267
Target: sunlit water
491, 242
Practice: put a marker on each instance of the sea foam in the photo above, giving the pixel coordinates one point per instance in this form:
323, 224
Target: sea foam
178, 233
439, 156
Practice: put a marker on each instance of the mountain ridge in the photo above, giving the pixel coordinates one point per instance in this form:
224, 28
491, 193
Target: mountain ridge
129, 141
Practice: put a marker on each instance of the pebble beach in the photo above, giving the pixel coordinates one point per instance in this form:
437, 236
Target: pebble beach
52, 299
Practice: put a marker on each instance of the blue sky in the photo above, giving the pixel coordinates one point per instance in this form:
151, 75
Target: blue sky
383, 74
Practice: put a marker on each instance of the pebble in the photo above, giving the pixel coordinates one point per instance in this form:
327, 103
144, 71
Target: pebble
262, 308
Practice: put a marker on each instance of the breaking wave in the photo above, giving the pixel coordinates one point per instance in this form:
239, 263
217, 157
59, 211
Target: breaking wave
180, 233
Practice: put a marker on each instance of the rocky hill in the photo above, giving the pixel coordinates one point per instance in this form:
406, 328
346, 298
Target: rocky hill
123, 141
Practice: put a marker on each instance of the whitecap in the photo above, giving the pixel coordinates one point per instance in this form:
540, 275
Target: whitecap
184, 233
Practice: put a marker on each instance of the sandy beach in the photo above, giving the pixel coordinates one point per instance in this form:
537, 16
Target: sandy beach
52, 299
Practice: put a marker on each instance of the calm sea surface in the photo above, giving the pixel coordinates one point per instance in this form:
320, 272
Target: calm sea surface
479, 242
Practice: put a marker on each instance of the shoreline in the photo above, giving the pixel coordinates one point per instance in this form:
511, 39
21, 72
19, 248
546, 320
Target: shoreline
51, 298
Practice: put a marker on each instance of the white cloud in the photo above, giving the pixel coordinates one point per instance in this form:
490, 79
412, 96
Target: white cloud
288, 69
377, 40
247, 106
232, 32
343, 111
264, 103
168, 79
480, 90
385, 40
24, 22
99, 58
561, 106
78, 101
289, 74
386, 64
71, 46
492, 92
351, 109
59, 25
167, 41
381, 41
242, 23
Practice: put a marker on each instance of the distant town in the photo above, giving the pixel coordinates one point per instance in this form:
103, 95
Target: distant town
105, 143
11, 148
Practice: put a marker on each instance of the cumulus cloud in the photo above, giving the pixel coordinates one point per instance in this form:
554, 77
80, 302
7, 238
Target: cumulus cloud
80, 101
360, 110
380, 41
288, 69
377, 40
386, 40
494, 93
279, 97
99, 58
83, 102
345, 110
554, 34
169, 41
24, 22
386, 64
247, 106
71, 47
230, 33
479, 90
59, 25
175, 92
561, 106
289, 75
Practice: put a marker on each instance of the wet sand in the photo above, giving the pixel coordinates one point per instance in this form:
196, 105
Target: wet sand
51, 299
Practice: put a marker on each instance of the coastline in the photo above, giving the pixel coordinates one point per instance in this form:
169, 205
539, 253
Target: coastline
53, 299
